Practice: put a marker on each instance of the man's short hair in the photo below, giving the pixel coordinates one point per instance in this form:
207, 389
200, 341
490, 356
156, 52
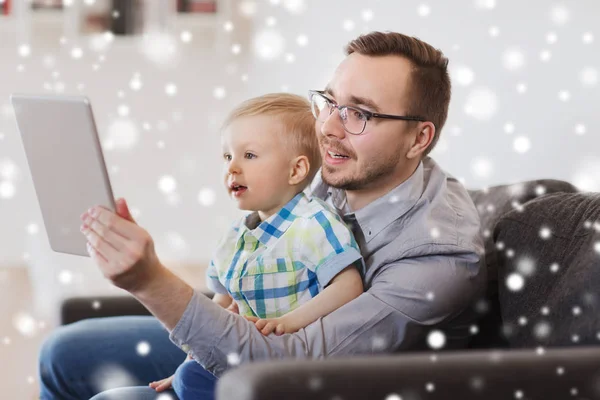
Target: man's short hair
430, 86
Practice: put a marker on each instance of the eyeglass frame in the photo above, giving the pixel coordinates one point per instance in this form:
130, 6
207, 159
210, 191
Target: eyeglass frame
366, 113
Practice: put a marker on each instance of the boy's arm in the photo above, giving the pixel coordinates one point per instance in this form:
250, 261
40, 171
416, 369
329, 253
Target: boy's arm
224, 300
344, 287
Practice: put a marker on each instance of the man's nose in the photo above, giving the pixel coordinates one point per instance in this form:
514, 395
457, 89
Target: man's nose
333, 126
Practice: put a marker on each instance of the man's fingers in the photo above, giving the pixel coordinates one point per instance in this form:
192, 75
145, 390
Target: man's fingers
114, 222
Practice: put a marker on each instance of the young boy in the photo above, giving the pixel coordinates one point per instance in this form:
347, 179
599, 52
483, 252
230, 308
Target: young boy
292, 260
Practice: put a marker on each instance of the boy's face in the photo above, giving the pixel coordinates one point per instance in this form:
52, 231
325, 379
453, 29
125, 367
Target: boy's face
256, 164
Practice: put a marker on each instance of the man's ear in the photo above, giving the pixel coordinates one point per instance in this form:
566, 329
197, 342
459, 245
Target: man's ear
422, 140
299, 168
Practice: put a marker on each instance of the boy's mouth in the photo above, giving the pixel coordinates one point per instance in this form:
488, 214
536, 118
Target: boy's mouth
237, 190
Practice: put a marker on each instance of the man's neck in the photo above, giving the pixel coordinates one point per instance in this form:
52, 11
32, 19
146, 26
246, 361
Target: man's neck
358, 199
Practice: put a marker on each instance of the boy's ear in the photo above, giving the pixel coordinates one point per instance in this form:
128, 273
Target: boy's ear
300, 166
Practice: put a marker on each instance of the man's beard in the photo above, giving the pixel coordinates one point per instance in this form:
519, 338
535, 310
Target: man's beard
365, 178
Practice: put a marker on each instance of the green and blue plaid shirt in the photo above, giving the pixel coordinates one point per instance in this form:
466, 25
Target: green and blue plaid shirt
271, 267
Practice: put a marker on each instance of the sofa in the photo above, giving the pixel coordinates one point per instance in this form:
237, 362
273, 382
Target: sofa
537, 332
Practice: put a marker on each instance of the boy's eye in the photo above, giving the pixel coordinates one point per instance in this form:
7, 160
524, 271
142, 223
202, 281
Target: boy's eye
227, 157
250, 156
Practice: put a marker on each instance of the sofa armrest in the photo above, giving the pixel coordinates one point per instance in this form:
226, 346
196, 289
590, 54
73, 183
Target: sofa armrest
461, 375
78, 308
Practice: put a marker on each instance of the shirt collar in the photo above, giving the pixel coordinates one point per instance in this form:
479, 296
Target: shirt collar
271, 229
375, 216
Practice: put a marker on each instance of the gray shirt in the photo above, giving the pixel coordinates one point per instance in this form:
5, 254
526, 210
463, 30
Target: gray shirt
424, 260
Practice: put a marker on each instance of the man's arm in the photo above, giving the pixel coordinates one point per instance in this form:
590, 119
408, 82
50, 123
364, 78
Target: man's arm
405, 299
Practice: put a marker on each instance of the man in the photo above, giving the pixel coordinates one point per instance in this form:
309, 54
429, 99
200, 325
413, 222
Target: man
418, 231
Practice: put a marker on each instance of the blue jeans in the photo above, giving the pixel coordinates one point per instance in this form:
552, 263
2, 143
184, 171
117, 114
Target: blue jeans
98, 358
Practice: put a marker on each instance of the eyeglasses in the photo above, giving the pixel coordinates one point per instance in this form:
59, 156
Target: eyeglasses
354, 119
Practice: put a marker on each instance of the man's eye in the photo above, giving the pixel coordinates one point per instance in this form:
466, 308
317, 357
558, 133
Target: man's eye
250, 156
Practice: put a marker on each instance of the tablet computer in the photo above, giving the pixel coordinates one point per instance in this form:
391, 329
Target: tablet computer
66, 162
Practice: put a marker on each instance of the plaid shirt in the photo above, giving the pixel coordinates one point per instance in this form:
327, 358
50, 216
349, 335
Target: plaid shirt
270, 268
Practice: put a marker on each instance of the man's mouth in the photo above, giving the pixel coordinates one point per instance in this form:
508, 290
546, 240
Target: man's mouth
333, 154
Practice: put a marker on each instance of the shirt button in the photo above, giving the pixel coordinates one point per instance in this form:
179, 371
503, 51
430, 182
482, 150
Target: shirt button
185, 348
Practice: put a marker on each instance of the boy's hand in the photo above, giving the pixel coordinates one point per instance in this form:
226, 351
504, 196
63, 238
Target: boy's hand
233, 307
163, 384
278, 325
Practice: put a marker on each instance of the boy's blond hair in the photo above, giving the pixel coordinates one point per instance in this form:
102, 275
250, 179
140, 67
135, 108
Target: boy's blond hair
295, 115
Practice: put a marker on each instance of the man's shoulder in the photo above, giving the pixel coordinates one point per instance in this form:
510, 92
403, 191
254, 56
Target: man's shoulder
444, 219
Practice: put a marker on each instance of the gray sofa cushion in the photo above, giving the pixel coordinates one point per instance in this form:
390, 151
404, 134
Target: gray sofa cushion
560, 268
492, 203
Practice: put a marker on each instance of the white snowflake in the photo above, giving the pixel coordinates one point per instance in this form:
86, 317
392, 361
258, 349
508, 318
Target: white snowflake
522, 144
76, 53
171, 89
24, 50
228, 26
143, 348
393, 396
522, 321
167, 184
436, 339
348, 25
96, 305
540, 190
518, 394
367, 15
233, 359
545, 55
513, 59
551, 37
509, 127
423, 10
482, 167
122, 134
515, 282
269, 44
485, 4
526, 266
219, 92
559, 14
474, 329
545, 233
560, 370
545, 310
247, 8
295, 6
574, 391
589, 76
186, 36
588, 37
25, 324
206, 197
564, 95
576, 310
430, 387
521, 88
65, 277
580, 129
481, 104
494, 31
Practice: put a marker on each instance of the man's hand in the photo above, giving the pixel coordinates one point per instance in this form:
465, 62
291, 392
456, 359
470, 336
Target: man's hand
122, 249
